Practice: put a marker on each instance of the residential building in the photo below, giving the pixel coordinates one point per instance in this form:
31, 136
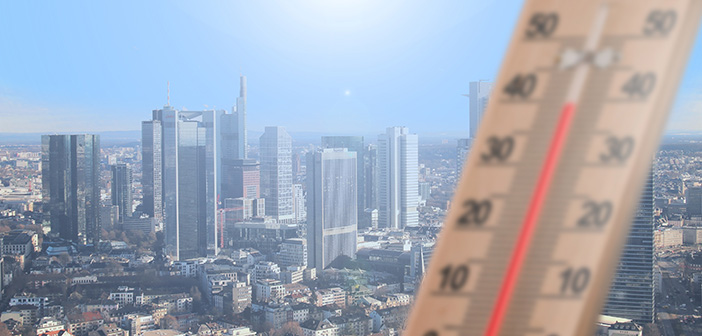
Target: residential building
82, 324
353, 324
293, 252
49, 324
328, 296
314, 327
25, 314
19, 242
268, 289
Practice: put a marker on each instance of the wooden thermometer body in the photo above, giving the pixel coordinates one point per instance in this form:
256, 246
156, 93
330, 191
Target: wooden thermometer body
546, 198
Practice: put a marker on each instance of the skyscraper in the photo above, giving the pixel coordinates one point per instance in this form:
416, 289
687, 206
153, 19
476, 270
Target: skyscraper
479, 94
693, 201
332, 221
241, 119
462, 149
189, 172
241, 179
152, 169
353, 144
370, 165
71, 193
122, 190
398, 178
299, 203
276, 174
632, 294
233, 142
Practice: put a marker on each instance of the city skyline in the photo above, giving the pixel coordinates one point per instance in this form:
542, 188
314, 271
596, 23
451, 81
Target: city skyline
118, 74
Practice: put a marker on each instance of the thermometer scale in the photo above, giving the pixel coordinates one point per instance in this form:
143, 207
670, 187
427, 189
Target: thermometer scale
545, 201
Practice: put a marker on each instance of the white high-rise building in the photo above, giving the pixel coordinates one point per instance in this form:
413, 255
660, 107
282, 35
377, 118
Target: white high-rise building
276, 174
479, 95
398, 178
299, 199
332, 221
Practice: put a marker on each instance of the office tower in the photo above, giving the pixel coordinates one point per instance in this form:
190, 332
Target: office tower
420, 255
242, 209
190, 178
353, 144
152, 169
71, 193
370, 166
424, 190
242, 178
293, 252
297, 164
331, 206
398, 178
462, 150
241, 120
299, 203
693, 201
233, 144
122, 190
479, 95
276, 174
632, 293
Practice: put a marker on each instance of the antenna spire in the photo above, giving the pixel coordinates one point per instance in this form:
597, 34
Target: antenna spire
168, 97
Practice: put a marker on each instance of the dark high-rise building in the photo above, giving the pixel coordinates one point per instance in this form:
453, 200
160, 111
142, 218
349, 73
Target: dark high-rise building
353, 144
632, 294
693, 201
332, 222
122, 190
70, 189
242, 179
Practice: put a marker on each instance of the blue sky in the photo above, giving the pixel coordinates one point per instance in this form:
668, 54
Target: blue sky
338, 66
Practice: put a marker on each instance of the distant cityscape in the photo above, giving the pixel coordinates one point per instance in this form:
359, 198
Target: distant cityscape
197, 229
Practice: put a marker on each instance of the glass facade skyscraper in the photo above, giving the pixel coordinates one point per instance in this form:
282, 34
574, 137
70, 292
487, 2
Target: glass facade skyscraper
632, 293
188, 157
398, 178
276, 174
121, 190
332, 221
70, 189
353, 144
479, 95
152, 169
